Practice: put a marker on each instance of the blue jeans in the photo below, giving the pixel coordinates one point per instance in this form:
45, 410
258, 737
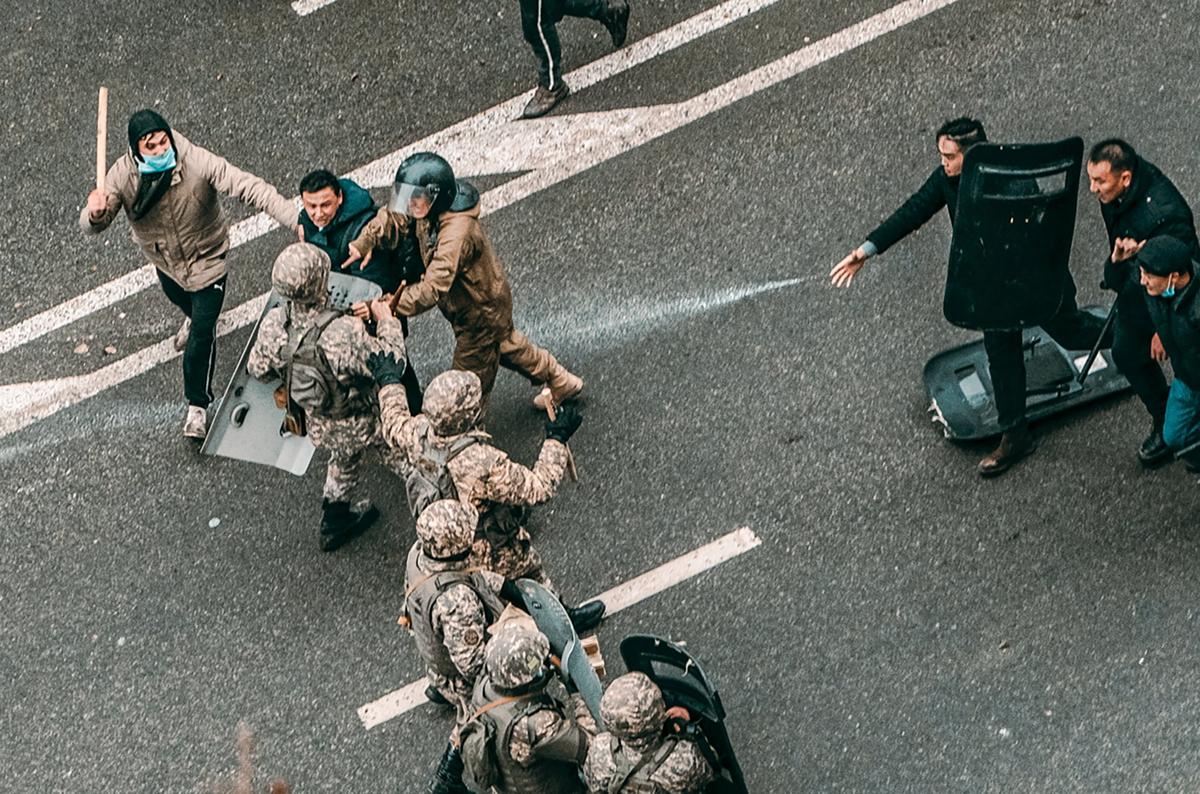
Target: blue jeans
1182, 426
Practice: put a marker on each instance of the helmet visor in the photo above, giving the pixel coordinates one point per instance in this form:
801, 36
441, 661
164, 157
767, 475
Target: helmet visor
414, 200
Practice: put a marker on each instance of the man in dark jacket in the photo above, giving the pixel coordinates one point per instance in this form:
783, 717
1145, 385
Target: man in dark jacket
1071, 328
1166, 270
1137, 202
334, 212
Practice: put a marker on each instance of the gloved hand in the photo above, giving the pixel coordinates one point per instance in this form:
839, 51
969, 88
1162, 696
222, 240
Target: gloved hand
385, 368
564, 425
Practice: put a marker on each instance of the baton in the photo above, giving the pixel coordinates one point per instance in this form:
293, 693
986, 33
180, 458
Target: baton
551, 414
101, 137
1091, 359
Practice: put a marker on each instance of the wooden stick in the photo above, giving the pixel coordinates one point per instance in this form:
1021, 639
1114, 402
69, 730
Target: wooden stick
551, 414
102, 138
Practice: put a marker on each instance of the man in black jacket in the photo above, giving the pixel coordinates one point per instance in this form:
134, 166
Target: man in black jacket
1071, 328
1137, 202
1167, 275
334, 213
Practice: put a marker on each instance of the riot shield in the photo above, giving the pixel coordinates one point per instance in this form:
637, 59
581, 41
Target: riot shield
1011, 250
683, 683
248, 425
552, 620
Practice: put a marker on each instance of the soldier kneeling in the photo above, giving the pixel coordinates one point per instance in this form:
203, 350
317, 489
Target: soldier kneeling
521, 738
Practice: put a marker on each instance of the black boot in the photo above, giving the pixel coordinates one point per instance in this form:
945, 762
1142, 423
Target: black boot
447, 778
1014, 445
616, 21
1154, 451
586, 617
341, 523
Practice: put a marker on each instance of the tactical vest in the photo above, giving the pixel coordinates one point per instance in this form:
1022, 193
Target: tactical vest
423, 592
542, 776
634, 770
310, 380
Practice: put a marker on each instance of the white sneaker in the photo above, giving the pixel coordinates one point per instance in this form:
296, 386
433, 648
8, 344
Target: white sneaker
196, 424
181, 336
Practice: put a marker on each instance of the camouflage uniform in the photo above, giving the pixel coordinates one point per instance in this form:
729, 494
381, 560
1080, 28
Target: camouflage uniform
538, 742
448, 606
346, 345
483, 475
636, 749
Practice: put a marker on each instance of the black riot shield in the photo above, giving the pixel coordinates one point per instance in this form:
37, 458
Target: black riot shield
683, 683
247, 423
1013, 227
552, 620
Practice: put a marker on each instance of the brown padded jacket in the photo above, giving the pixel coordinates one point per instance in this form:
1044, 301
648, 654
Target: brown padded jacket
186, 234
463, 277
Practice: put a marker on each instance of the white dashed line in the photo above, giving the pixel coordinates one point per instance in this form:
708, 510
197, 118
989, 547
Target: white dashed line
306, 7
621, 597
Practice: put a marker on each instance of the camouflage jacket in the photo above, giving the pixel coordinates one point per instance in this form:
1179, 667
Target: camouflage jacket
483, 474
668, 766
345, 342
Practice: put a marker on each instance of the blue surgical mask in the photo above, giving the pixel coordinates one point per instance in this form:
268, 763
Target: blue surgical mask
156, 164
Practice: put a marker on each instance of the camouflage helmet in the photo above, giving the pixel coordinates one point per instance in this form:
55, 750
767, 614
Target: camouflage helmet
446, 528
452, 402
516, 656
633, 707
301, 273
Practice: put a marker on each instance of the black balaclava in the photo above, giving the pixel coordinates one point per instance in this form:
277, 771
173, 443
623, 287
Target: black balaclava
151, 187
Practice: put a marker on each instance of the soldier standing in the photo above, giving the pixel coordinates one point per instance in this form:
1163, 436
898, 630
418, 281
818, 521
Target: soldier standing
445, 438
449, 605
521, 739
320, 353
636, 747
463, 277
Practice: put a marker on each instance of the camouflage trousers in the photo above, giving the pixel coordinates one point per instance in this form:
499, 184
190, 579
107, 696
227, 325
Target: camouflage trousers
351, 442
516, 558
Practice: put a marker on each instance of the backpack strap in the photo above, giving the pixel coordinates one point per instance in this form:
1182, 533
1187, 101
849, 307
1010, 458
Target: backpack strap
627, 771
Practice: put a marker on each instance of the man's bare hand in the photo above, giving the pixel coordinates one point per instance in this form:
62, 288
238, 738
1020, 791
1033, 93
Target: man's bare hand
381, 308
97, 204
1125, 248
1157, 351
355, 256
361, 310
843, 272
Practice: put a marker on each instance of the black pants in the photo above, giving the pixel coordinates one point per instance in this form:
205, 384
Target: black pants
1071, 328
538, 18
1131, 351
203, 307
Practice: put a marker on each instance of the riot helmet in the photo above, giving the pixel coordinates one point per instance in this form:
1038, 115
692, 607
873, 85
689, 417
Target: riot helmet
424, 186
301, 273
446, 529
517, 656
452, 402
633, 708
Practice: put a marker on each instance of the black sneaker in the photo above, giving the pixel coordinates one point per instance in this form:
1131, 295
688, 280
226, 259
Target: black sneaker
544, 100
616, 20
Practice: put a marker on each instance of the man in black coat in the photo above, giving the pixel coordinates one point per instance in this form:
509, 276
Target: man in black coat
1137, 202
1167, 275
1071, 328
334, 213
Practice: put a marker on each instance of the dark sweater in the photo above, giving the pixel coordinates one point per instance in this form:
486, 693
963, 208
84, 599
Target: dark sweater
1177, 321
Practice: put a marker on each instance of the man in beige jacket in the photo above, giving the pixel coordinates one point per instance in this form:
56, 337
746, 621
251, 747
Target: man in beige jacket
169, 189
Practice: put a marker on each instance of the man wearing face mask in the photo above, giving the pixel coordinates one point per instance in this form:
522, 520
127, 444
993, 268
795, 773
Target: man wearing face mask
170, 190
1137, 202
1167, 274
1070, 327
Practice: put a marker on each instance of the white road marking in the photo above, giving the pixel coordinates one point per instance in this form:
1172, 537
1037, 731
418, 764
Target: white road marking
380, 172
550, 150
306, 7
618, 598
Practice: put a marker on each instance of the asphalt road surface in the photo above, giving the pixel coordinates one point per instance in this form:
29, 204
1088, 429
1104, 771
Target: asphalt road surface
903, 626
